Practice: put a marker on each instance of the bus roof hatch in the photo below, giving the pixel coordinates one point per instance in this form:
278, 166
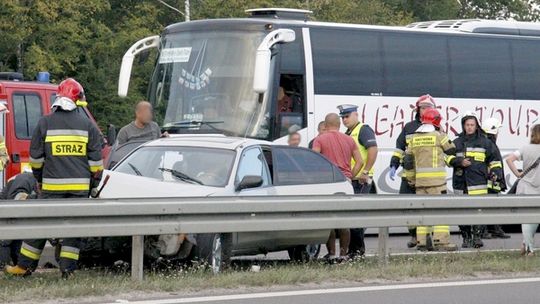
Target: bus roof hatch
479, 26
280, 13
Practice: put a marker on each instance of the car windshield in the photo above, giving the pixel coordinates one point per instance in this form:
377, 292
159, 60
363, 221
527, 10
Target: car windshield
194, 165
203, 82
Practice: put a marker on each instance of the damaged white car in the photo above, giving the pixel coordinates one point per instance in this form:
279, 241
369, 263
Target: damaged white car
215, 165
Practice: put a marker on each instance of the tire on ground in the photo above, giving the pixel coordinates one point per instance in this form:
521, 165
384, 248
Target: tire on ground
214, 250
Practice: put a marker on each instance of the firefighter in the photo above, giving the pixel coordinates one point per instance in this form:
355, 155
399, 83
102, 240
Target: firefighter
475, 156
20, 187
364, 137
425, 170
491, 127
423, 103
4, 156
65, 156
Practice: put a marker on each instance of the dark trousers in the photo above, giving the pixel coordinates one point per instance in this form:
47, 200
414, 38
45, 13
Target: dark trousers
357, 245
30, 252
9, 252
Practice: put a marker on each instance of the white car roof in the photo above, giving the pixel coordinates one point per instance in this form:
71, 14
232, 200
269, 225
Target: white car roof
206, 140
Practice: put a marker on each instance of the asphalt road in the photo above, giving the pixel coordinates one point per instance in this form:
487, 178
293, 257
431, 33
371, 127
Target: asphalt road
522, 290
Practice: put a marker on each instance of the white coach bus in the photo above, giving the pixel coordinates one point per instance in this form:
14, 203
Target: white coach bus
229, 75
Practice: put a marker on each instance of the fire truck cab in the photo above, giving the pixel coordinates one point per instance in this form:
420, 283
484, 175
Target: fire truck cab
27, 101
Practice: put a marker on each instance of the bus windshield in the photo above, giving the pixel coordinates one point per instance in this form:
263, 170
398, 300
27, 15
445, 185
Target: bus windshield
203, 82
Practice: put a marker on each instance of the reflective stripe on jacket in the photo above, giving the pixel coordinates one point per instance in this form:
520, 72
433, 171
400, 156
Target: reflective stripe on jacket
65, 151
428, 151
482, 154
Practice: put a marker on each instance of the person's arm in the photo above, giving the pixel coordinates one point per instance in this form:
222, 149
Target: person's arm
316, 145
458, 160
399, 152
121, 138
510, 161
366, 138
93, 153
358, 161
494, 161
372, 153
4, 155
37, 150
448, 146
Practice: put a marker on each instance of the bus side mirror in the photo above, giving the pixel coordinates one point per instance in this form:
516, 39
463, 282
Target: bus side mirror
263, 57
127, 61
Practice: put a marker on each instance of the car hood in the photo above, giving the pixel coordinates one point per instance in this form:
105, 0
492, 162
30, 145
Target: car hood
121, 185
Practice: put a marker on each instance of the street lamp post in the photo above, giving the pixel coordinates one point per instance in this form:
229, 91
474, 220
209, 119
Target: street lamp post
186, 12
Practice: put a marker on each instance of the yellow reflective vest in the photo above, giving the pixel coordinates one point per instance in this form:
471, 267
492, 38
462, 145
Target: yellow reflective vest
363, 151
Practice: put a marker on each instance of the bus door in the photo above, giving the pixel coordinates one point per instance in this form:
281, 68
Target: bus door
27, 107
290, 106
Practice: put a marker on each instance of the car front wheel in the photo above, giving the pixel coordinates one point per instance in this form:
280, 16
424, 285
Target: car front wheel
214, 250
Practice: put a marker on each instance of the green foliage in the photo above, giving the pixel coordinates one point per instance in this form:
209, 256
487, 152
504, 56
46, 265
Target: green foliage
87, 39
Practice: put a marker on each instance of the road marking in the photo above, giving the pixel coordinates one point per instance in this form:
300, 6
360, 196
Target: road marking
331, 291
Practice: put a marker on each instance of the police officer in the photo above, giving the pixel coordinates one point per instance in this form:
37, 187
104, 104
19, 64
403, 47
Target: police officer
423, 103
65, 156
364, 137
475, 156
491, 127
20, 187
425, 170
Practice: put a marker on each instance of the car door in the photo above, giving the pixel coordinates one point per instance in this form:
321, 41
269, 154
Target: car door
298, 171
253, 162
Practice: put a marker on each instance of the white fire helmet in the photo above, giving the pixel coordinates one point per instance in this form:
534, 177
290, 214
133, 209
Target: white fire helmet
491, 125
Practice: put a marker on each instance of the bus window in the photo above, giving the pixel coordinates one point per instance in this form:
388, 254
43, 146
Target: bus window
291, 103
423, 70
526, 68
347, 62
481, 68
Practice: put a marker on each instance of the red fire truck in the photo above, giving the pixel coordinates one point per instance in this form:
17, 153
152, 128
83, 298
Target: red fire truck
27, 101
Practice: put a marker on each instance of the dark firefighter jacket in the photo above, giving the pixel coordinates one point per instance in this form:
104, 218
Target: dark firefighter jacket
401, 142
23, 183
65, 152
484, 158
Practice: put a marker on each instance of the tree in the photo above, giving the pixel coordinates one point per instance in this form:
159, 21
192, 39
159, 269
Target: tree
87, 39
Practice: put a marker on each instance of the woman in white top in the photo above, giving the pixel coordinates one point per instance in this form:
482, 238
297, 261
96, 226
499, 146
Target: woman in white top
528, 183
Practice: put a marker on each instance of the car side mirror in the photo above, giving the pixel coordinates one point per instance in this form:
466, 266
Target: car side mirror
111, 134
249, 181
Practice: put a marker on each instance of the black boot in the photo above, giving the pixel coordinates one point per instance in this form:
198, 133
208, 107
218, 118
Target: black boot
412, 242
466, 235
498, 233
476, 237
429, 243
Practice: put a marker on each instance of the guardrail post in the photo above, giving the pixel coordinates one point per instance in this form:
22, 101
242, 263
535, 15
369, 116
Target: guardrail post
383, 245
137, 257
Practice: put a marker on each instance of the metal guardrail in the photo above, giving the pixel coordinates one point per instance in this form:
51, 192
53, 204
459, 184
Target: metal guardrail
150, 216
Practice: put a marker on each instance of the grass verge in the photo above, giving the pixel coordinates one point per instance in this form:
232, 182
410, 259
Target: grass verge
96, 283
